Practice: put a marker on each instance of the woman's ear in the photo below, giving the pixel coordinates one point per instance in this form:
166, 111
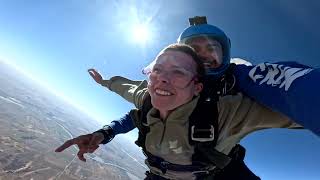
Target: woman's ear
198, 88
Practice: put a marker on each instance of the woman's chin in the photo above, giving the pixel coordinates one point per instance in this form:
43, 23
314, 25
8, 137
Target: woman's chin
162, 105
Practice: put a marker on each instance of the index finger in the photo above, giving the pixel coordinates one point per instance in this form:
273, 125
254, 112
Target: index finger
91, 73
91, 70
65, 145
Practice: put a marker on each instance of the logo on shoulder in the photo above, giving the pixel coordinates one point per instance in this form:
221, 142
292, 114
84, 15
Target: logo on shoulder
277, 75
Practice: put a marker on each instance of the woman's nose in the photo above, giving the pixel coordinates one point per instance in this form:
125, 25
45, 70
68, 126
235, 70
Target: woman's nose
164, 77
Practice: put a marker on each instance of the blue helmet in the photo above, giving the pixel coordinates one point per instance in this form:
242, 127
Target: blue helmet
203, 29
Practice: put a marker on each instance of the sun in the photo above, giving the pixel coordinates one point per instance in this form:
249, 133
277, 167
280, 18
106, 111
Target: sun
141, 33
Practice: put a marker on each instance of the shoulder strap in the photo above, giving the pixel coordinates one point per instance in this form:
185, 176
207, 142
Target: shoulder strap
204, 124
140, 119
204, 127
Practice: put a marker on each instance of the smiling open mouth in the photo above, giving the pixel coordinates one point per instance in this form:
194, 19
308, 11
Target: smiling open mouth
163, 92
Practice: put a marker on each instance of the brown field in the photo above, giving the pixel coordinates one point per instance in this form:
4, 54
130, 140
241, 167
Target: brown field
33, 123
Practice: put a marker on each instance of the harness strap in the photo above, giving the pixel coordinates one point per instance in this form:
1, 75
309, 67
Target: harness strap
140, 120
205, 152
204, 122
204, 125
164, 165
236, 155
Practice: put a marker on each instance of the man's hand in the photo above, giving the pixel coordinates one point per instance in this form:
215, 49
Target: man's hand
86, 143
95, 75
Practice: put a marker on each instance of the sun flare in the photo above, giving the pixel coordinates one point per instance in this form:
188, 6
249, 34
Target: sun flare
141, 33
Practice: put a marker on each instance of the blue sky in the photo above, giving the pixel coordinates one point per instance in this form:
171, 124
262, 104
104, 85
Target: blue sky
57, 41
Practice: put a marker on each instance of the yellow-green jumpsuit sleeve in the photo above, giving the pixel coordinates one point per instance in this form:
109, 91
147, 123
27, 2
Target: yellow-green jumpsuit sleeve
240, 115
132, 91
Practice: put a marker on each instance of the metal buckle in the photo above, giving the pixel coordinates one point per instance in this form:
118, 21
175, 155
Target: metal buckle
202, 139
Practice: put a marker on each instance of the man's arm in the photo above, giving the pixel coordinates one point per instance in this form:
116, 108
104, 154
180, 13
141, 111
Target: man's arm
286, 87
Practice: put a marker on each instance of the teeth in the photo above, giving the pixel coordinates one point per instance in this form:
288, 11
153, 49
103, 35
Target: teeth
163, 92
